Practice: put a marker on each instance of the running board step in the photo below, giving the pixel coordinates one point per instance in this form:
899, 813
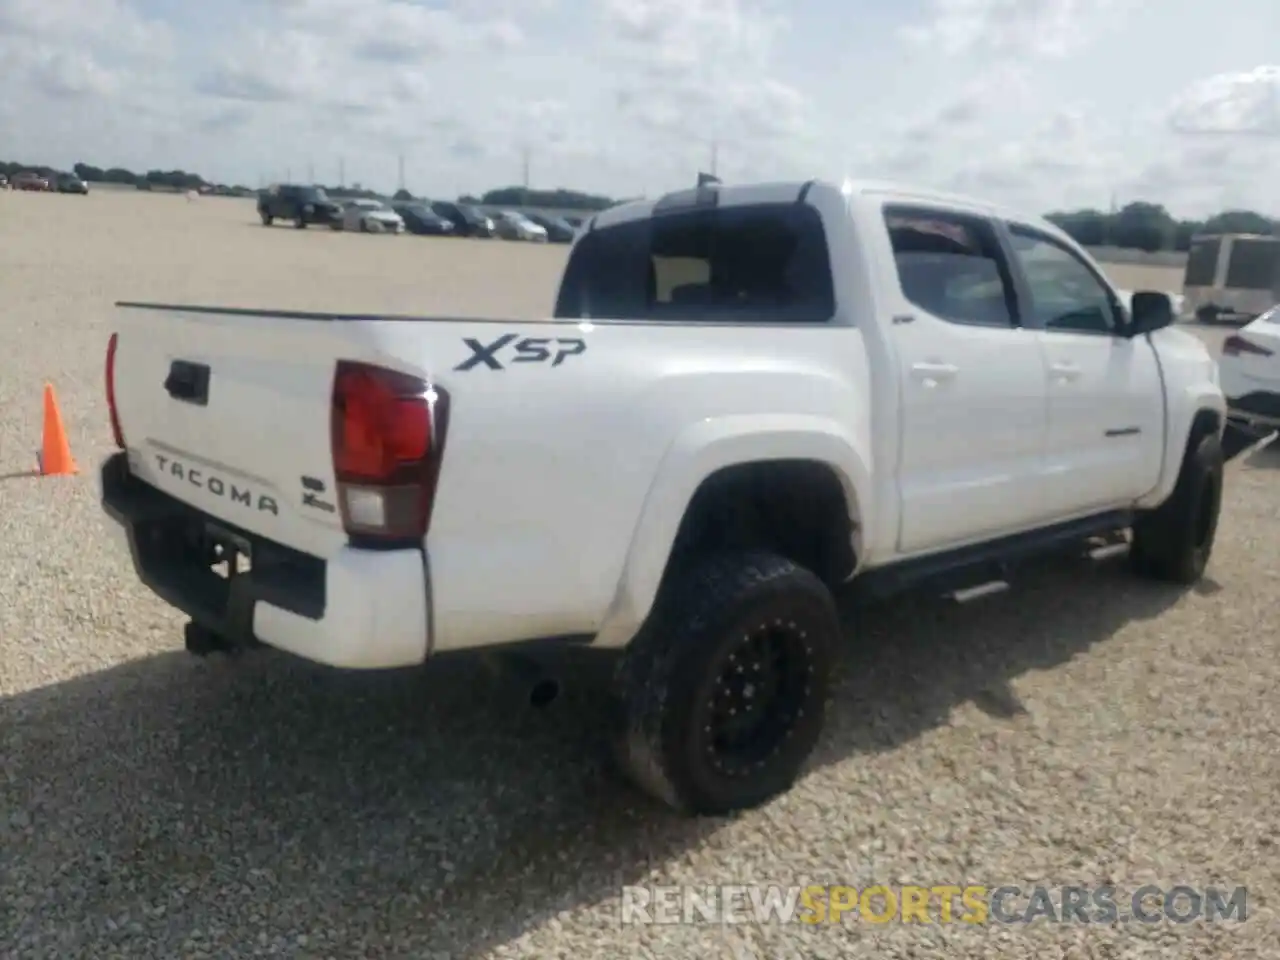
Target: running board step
975, 571
1095, 552
969, 594
1107, 551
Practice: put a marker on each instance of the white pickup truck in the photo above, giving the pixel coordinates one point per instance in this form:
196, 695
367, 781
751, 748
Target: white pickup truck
747, 397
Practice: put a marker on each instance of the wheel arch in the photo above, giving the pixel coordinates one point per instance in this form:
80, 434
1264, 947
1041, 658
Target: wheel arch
1191, 413
804, 470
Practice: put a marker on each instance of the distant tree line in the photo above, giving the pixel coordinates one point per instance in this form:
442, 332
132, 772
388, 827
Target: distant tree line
1137, 226
1150, 227
170, 180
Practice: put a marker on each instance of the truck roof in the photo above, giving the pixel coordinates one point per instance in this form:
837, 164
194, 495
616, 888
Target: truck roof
783, 191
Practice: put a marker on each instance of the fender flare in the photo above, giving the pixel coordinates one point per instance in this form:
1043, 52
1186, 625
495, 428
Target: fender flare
695, 454
1196, 401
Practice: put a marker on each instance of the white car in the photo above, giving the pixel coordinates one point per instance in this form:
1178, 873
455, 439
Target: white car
512, 225
747, 399
1249, 371
369, 216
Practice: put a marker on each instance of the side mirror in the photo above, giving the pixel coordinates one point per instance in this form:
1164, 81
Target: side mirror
1148, 311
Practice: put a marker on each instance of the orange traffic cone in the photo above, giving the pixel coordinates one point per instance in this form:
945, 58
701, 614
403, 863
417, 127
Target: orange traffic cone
55, 451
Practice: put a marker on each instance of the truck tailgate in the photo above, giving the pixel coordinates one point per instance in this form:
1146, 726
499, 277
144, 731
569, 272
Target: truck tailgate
229, 411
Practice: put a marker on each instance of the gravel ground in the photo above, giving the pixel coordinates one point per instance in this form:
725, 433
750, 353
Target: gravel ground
1084, 729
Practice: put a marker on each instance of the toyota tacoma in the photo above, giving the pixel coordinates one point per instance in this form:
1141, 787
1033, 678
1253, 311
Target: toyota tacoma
746, 399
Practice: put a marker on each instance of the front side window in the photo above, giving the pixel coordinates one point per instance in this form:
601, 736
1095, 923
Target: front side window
1066, 295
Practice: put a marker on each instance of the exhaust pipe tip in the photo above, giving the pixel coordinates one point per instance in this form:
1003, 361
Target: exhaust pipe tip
544, 692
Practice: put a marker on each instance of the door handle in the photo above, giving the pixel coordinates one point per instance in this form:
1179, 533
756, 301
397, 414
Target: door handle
935, 371
931, 374
1065, 371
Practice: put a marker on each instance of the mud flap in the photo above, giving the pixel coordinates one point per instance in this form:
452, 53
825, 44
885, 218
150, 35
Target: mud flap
1240, 438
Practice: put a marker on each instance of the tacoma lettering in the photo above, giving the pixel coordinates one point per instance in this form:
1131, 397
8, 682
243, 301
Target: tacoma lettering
217, 486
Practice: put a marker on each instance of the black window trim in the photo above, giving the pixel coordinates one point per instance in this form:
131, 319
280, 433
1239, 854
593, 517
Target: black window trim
1015, 295
1014, 228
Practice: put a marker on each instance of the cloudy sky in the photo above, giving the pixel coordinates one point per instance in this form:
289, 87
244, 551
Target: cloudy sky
1049, 103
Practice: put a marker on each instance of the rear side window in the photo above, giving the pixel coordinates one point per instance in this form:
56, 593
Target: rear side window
1255, 265
1202, 263
764, 263
951, 266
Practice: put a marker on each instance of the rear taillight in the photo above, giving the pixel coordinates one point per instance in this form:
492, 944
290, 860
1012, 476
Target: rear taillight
1235, 346
387, 435
111, 391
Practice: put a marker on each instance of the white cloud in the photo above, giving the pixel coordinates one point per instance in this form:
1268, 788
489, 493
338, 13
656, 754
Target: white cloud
1023, 29
1233, 103
1047, 103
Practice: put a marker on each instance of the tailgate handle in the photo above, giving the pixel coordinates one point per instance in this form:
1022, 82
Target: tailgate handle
188, 382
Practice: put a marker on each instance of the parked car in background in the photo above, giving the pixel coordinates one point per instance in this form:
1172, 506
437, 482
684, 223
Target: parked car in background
1249, 372
1232, 276
575, 222
419, 218
558, 231
512, 225
369, 216
29, 180
467, 220
70, 183
4, 182
301, 204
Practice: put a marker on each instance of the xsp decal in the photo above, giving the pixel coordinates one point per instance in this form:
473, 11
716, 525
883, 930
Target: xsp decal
528, 350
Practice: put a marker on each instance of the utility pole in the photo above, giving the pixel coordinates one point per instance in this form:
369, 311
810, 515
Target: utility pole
342, 172
525, 173
400, 183
288, 174
715, 153
311, 172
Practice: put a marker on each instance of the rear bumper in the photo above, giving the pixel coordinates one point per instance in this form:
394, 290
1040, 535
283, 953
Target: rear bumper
1257, 406
360, 609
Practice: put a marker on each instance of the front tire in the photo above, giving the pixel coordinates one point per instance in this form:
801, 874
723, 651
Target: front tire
721, 698
1173, 543
266, 219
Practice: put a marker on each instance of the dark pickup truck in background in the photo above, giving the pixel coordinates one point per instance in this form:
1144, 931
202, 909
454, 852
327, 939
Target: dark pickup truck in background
301, 204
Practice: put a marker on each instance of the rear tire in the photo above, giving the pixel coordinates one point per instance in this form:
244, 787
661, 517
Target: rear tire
266, 219
1173, 543
721, 698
